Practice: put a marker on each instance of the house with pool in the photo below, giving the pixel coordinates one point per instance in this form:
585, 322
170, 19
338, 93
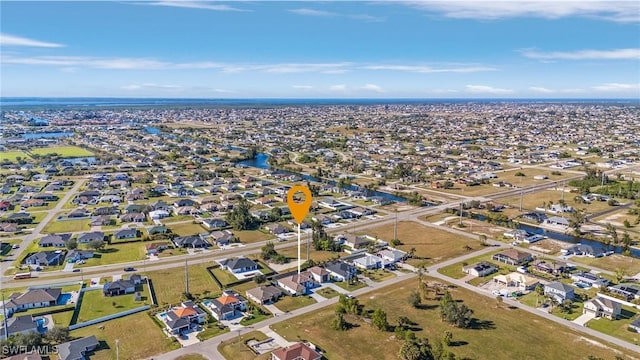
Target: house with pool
226, 307
181, 319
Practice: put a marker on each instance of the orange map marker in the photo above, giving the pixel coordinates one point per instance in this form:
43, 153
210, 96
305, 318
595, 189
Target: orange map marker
299, 210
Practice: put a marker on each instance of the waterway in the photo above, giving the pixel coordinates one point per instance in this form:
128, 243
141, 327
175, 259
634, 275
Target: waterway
46, 135
260, 162
152, 130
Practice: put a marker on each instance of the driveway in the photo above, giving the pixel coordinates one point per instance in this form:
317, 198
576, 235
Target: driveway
317, 296
583, 319
273, 309
68, 266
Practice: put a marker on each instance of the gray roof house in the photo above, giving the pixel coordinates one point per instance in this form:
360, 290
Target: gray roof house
125, 234
18, 325
77, 349
480, 269
119, 287
90, 236
54, 240
191, 242
264, 294
238, 265
559, 291
340, 271
45, 258
35, 298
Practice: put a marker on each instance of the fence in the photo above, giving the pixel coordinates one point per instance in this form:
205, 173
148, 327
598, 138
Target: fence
54, 285
108, 317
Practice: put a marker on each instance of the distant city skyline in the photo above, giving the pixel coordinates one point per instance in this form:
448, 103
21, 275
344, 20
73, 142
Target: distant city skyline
244, 49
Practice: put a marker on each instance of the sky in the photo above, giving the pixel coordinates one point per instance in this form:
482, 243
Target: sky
308, 49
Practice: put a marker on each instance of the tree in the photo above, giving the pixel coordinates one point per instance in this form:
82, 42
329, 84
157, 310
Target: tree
626, 223
483, 239
447, 337
577, 218
499, 301
451, 312
613, 233
414, 299
268, 251
58, 335
339, 323
72, 244
410, 351
240, 217
620, 274
276, 213
379, 319
96, 245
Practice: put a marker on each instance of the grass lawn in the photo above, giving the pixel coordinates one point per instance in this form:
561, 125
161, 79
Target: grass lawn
224, 276
291, 253
63, 151
611, 263
177, 218
455, 270
95, 304
191, 357
13, 155
290, 303
169, 283
117, 253
254, 319
351, 287
618, 328
55, 226
485, 340
141, 341
432, 245
378, 274
327, 292
252, 236
576, 311
187, 228
211, 330
236, 348
537, 199
62, 318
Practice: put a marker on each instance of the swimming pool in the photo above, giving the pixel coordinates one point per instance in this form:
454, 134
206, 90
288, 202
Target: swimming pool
582, 285
163, 316
64, 299
207, 303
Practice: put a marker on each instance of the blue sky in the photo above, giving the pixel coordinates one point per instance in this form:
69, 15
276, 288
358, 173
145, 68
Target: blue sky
237, 49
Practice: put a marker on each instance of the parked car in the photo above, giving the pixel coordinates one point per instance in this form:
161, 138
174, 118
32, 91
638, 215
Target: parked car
129, 269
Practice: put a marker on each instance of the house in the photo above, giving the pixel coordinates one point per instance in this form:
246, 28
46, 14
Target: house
31, 299
136, 217
184, 202
635, 325
184, 317
225, 306
297, 284
159, 205
158, 229
583, 250
76, 254
90, 236
559, 291
118, 287
54, 240
100, 220
353, 241
77, 349
340, 271
559, 208
78, 213
155, 248
590, 279
18, 325
557, 221
277, 229
392, 256
629, 291
20, 218
515, 279
193, 242
45, 258
319, 274
159, 214
222, 238
264, 294
297, 351
212, 224
9, 227
323, 219
555, 267
368, 262
512, 257
535, 217
125, 234
602, 307
480, 269
107, 210
359, 212
238, 265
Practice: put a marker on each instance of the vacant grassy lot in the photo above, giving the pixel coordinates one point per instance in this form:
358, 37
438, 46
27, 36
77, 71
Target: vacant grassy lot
611, 263
117, 253
252, 236
432, 245
290, 303
539, 198
55, 226
224, 276
327, 292
95, 304
351, 287
486, 340
236, 349
13, 155
169, 284
63, 151
141, 341
186, 228
291, 252
378, 274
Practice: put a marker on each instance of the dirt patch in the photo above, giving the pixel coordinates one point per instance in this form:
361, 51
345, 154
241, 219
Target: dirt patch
549, 246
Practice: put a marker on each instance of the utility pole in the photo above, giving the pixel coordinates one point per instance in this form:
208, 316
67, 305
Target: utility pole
395, 226
563, 190
521, 196
186, 277
117, 349
4, 313
460, 213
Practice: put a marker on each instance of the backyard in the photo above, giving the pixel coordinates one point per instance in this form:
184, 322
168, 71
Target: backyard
236, 348
290, 303
169, 283
95, 304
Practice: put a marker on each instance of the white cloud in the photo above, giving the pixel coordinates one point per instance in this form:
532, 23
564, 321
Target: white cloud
338, 88
619, 11
613, 87
106, 63
372, 87
11, 40
133, 87
429, 69
302, 87
616, 54
194, 5
323, 13
541, 89
487, 89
